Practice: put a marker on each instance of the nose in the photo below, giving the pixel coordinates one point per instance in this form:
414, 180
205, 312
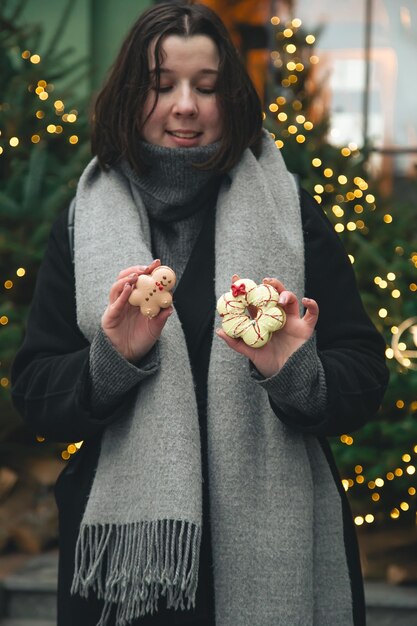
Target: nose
185, 103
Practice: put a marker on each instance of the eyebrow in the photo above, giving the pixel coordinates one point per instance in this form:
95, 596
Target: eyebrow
165, 70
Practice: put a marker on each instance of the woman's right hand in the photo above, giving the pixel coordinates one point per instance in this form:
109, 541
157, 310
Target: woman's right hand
131, 333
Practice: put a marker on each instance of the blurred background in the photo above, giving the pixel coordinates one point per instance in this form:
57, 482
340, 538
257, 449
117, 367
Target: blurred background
338, 82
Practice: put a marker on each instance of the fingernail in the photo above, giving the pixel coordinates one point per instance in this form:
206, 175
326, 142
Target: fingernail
267, 278
282, 299
217, 331
132, 275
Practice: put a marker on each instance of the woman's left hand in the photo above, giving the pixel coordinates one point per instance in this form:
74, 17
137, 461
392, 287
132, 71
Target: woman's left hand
269, 359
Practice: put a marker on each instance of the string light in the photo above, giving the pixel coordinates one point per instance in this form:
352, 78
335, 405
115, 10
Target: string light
379, 483
71, 449
41, 90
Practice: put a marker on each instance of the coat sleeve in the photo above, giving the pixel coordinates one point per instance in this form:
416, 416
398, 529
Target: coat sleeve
348, 367
58, 378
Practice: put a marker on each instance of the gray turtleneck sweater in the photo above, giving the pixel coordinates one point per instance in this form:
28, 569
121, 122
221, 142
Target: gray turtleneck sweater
176, 196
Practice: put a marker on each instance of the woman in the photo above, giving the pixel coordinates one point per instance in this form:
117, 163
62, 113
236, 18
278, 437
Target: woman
205, 492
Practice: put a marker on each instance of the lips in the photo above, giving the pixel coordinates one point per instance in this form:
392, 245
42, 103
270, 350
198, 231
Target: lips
184, 134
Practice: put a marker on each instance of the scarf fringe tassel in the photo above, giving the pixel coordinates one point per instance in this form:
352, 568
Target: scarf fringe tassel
131, 565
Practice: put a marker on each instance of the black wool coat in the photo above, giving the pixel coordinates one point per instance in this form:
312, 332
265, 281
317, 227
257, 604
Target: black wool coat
50, 388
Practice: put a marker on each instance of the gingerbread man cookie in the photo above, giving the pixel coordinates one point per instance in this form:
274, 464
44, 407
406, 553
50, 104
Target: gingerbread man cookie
244, 296
152, 291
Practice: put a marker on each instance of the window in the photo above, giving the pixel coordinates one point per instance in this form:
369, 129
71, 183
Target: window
368, 53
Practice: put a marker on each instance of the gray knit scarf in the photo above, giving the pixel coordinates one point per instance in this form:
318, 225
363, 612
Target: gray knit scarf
276, 519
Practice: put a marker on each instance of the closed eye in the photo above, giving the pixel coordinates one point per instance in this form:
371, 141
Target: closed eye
203, 90
206, 90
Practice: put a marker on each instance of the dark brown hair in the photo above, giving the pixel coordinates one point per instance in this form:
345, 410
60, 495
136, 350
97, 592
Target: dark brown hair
118, 112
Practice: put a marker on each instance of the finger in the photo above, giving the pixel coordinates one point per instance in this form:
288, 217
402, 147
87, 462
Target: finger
118, 286
116, 308
235, 277
140, 269
312, 311
116, 290
156, 324
275, 283
238, 345
288, 301
135, 270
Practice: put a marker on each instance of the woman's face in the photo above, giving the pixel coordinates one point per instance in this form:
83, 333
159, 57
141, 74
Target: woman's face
187, 112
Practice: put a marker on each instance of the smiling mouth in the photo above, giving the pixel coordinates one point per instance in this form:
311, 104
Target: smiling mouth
184, 135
